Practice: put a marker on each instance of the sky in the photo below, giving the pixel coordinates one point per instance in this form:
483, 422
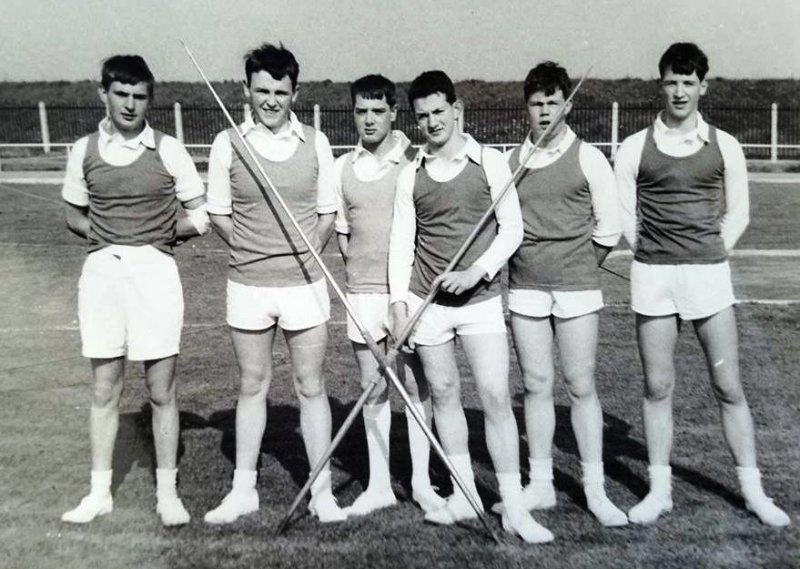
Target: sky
344, 39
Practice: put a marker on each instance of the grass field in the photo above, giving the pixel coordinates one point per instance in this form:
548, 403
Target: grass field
44, 448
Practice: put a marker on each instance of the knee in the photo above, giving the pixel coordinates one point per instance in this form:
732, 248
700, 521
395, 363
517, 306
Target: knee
659, 389
309, 387
444, 390
254, 383
538, 384
580, 388
496, 399
107, 393
729, 394
162, 395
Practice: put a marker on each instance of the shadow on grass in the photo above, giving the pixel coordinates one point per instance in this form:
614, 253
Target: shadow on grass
283, 441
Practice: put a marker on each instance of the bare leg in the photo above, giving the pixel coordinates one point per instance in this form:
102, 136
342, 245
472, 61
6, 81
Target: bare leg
307, 348
103, 426
253, 350
657, 339
718, 337
577, 341
166, 430
533, 338
488, 358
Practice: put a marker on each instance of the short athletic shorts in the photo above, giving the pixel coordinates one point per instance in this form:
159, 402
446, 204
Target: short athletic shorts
130, 302
290, 307
440, 324
690, 291
558, 303
372, 309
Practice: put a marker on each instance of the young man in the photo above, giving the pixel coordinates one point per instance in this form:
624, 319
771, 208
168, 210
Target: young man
365, 190
683, 190
440, 198
274, 281
122, 188
569, 210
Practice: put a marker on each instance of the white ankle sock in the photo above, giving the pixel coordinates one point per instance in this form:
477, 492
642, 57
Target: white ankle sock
756, 499
244, 479
420, 449
541, 470
377, 423
596, 499
462, 464
166, 481
101, 481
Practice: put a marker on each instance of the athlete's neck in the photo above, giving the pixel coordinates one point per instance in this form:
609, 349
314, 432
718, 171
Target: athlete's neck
382, 148
450, 148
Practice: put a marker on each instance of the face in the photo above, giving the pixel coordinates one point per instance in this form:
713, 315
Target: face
681, 95
436, 118
373, 118
127, 105
271, 99
542, 111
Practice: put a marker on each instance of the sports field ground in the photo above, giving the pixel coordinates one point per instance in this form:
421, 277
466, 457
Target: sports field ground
45, 391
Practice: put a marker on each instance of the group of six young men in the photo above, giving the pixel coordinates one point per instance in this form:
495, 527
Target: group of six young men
680, 199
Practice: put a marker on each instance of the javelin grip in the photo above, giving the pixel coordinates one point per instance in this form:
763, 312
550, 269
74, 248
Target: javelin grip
412, 321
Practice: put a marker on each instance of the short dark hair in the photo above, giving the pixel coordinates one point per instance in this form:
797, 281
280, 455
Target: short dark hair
374, 87
275, 60
548, 76
430, 83
128, 69
684, 58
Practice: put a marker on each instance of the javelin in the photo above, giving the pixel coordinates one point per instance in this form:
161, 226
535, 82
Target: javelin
406, 332
384, 363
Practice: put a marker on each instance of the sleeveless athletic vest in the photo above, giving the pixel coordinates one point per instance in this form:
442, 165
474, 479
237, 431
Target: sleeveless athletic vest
447, 212
266, 249
680, 202
556, 251
133, 204
368, 209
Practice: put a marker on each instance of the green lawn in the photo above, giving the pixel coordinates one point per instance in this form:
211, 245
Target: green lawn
44, 448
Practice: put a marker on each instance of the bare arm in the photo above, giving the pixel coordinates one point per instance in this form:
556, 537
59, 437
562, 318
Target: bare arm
324, 229
223, 225
186, 228
344, 240
78, 219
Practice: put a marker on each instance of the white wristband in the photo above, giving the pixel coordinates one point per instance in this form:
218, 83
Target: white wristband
199, 218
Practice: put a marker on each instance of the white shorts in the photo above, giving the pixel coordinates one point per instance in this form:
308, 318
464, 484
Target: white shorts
291, 307
130, 302
690, 291
372, 310
558, 303
440, 324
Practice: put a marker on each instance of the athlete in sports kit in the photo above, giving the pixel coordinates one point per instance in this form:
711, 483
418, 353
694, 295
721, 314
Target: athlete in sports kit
570, 214
684, 197
365, 189
440, 198
124, 188
273, 280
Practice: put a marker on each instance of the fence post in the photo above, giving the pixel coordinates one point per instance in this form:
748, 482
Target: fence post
45, 129
614, 129
246, 111
317, 117
773, 139
178, 122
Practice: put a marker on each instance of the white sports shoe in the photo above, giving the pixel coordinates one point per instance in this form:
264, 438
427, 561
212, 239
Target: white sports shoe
237, 503
90, 507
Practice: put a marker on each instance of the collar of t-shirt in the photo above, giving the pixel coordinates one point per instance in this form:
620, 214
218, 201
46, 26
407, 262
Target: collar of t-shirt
369, 167
120, 151
680, 143
545, 156
444, 169
278, 146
